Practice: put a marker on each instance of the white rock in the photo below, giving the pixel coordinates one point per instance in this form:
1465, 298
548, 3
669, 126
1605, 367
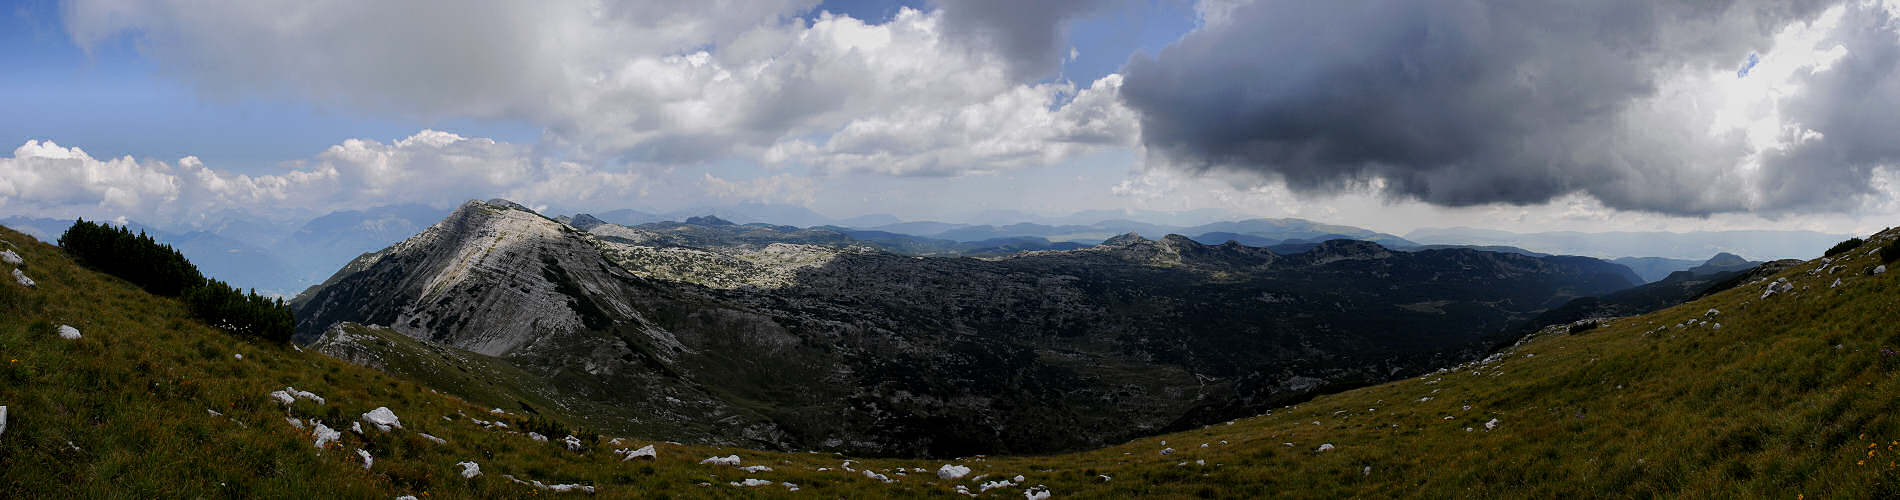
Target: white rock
729, 460
470, 469
1837, 283
21, 278
874, 475
1325, 447
366, 458
382, 418
749, 483
294, 422
11, 258
304, 394
1493, 424
537, 437
68, 332
437, 440
282, 397
1167, 451
644, 452
573, 443
1037, 493
240, 357
755, 469
1881, 269
952, 472
406, 497
1000, 483
565, 488
356, 427
325, 435
3, 419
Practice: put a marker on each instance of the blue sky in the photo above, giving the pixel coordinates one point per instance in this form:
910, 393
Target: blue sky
111, 101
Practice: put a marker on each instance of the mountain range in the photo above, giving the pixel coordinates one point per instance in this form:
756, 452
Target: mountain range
1693, 245
793, 338
150, 403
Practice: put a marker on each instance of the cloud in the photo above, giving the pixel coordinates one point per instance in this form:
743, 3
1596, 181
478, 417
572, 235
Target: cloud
430, 167
1027, 126
781, 188
1028, 34
650, 81
1471, 102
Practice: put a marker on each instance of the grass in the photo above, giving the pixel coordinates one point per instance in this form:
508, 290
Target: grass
1790, 397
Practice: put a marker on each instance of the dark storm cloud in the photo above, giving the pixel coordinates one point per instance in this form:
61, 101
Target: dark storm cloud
1028, 33
1854, 106
1462, 102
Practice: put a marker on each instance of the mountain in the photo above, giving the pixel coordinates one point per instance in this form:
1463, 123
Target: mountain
1723, 262
794, 340
1256, 232
1721, 272
233, 261
327, 242
1758, 395
1655, 268
1686, 245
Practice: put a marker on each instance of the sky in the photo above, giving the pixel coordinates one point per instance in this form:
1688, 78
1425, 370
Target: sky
1626, 115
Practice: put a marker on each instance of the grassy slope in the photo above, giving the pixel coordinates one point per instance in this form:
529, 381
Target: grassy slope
1791, 397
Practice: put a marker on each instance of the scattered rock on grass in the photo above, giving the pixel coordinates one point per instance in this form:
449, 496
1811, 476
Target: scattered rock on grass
382, 418
729, 460
644, 452
470, 469
68, 332
21, 278
952, 472
325, 435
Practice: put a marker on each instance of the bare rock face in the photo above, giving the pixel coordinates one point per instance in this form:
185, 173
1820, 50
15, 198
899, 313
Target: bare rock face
796, 338
491, 278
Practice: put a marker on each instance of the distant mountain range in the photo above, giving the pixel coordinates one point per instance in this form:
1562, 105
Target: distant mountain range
1689, 245
259, 254
284, 257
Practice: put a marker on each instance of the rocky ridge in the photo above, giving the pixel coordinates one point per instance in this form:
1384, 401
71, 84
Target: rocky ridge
752, 341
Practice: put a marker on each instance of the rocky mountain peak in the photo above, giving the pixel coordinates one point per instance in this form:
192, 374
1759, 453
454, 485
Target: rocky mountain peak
708, 220
505, 204
1726, 259
1338, 250
1124, 240
585, 221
